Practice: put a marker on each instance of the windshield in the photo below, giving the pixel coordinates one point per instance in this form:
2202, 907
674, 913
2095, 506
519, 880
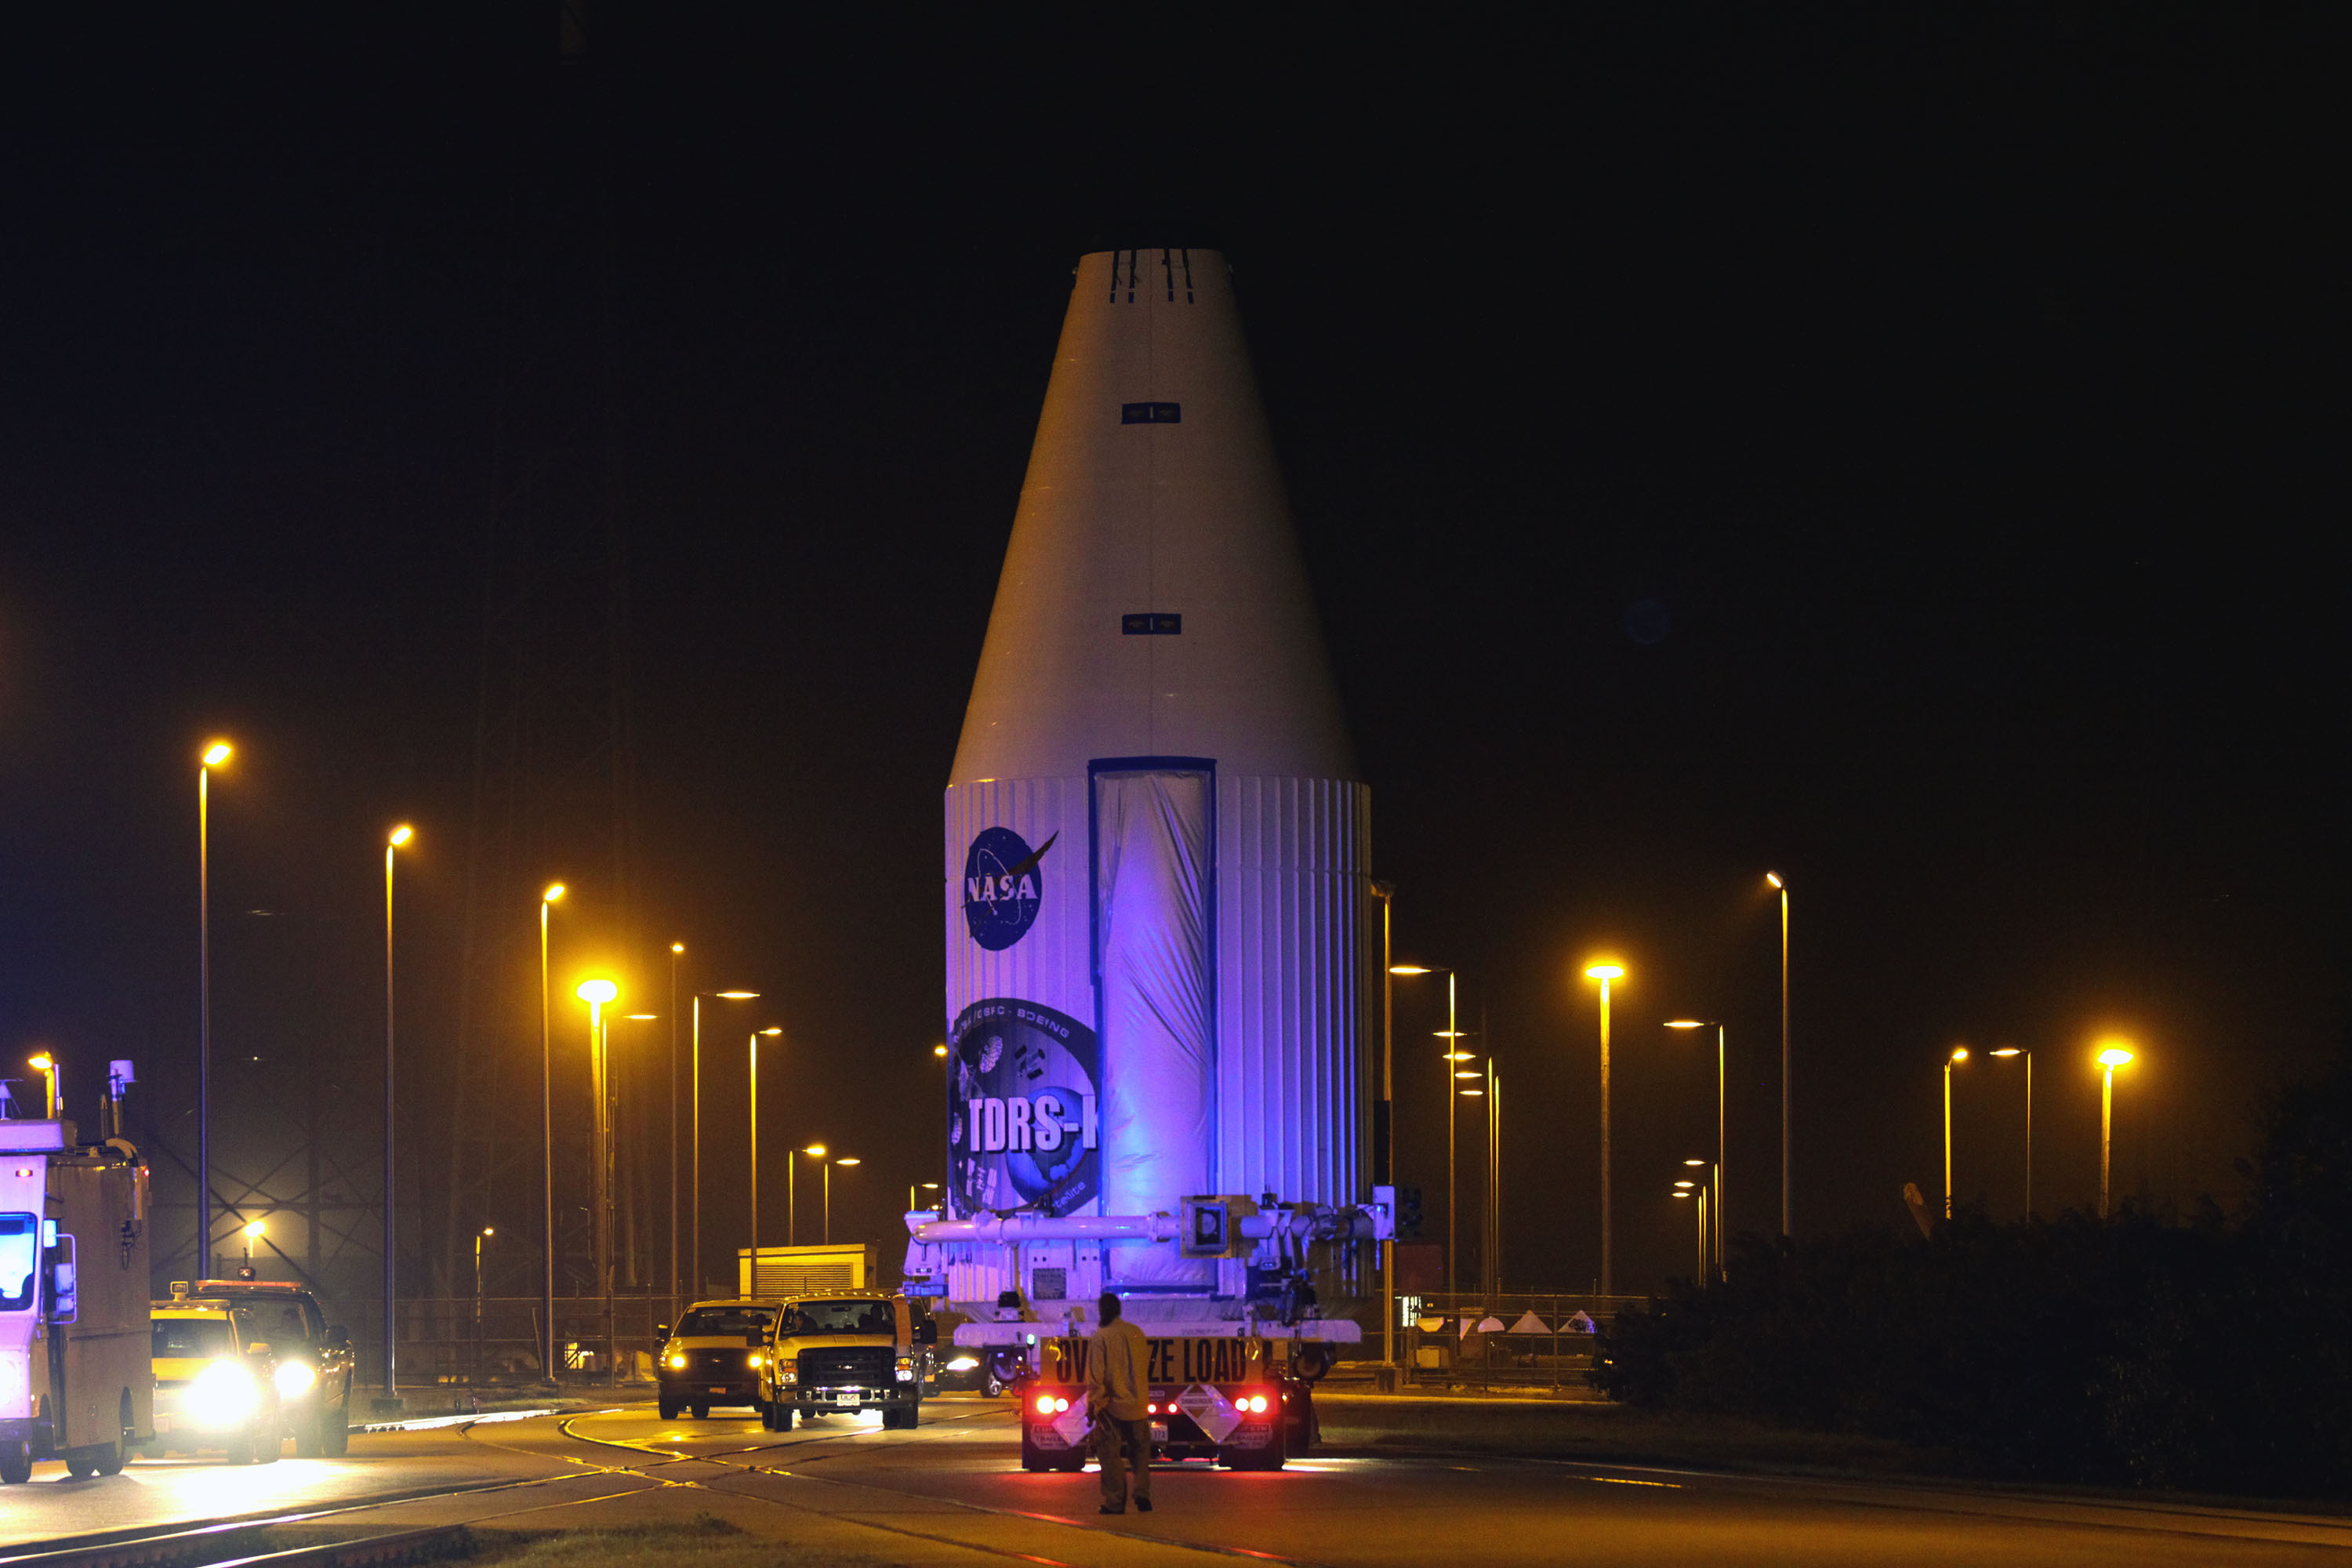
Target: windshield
20, 1255
840, 1317
725, 1320
282, 1324
185, 1338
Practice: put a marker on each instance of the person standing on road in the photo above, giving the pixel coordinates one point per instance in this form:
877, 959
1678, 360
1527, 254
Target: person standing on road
1118, 1374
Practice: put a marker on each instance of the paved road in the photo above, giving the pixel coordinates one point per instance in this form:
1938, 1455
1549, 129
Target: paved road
952, 1493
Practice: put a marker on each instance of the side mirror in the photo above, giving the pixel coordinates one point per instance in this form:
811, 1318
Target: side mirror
755, 1338
257, 1347
926, 1332
661, 1331
339, 1337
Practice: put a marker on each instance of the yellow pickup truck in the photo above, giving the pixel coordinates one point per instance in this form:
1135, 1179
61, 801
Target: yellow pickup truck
845, 1352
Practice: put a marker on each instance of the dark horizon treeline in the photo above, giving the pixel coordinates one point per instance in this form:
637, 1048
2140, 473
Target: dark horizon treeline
2211, 1352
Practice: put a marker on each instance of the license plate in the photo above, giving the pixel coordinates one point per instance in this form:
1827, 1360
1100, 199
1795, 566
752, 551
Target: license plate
845, 1399
1159, 1433
720, 1389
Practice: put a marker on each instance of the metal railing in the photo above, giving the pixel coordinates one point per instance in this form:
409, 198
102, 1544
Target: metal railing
494, 1342
1507, 1340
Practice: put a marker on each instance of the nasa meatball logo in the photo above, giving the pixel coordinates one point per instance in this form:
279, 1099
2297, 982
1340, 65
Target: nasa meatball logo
1003, 883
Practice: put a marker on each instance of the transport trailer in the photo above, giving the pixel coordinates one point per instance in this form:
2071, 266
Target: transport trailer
1247, 1402
77, 1381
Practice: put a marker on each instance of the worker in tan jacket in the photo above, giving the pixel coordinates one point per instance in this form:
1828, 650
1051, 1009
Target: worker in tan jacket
1119, 1379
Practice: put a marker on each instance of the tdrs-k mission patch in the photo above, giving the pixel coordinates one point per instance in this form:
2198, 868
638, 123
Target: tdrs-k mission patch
1003, 886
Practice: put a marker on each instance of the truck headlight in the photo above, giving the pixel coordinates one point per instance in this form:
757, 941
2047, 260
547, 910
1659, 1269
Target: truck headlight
906, 1369
222, 1395
787, 1372
677, 1362
752, 1360
295, 1378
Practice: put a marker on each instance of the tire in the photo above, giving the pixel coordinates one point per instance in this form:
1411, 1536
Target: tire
783, 1417
240, 1448
111, 1462
267, 1445
995, 1387
912, 1417
699, 1412
1269, 1457
15, 1464
335, 1425
310, 1436
668, 1408
79, 1469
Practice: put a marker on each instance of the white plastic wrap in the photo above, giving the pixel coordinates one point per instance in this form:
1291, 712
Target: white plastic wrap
1151, 891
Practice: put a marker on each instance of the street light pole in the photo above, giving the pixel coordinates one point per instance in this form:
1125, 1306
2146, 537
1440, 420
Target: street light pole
754, 1290
1959, 1054
2022, 1051
486, 1230
1605, 972
1384, 1153
1455, 1057
829, 1165
676, 950
1722, 1146
694, 1154
597, 994
1785, 1224
2110, 1057
399, 837
546, 1150
215, 755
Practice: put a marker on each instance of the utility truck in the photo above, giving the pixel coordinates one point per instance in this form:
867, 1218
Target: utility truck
75, 1380
845, 1352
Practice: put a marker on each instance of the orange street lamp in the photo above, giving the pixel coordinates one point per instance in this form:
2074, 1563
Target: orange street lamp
2112, 1055
215, 755
1605, 972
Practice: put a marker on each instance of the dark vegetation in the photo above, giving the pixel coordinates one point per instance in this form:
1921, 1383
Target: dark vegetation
2212, 1353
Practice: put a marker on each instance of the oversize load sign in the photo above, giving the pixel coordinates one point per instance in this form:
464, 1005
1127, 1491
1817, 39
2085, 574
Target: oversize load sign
1172, 1360
1022, 1131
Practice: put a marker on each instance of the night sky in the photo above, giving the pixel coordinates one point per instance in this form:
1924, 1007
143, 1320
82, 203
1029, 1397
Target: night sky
1903, 448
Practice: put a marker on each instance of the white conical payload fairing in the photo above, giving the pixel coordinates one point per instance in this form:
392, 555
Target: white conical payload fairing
1156, 835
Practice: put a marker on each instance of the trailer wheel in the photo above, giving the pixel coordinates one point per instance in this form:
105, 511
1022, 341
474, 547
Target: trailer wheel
668, 1408
1269, 1457
699, 1412
16, 1463
335, 1424
110, 1464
